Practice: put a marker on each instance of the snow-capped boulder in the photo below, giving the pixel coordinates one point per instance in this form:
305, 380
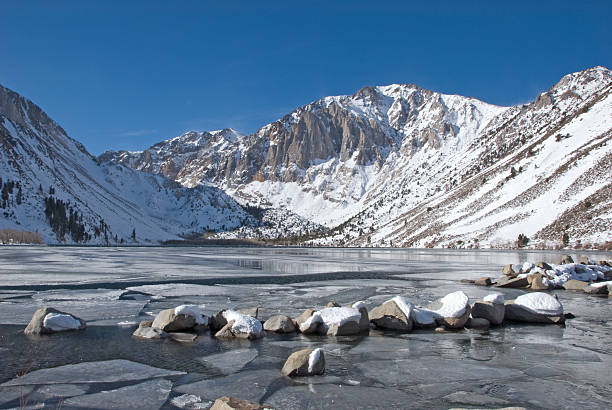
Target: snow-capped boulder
146, 331
537, 307
565, 259
307, 362
599, 288
184, 317
240, 326
538, 281
306, 323
452, 311
394, 314
491, 307
49, 320
234, 403
279, 324
332, 321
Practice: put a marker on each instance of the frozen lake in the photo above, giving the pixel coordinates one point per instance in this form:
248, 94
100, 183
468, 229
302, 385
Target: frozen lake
115, 288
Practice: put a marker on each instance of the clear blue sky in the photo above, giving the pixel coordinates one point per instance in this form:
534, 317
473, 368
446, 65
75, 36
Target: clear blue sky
127, 74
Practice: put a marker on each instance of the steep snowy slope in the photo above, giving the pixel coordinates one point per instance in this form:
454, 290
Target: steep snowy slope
53, 186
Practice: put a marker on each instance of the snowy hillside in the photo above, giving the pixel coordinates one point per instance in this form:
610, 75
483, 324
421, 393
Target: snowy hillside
400, 165
54, 187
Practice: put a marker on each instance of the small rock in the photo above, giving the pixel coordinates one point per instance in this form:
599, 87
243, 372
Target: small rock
484, 281
48, 320
477, 323
573, 284
509, 271
543, 265
145, 331
307, 362
467, 281
441, 329
390, 316
595, 290
279, 324
332, 304
512, 283
566, 259
538, 282
233, 403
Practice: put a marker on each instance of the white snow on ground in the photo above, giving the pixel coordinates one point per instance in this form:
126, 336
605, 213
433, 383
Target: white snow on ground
59, 321
453, 305
193, 311
496, 298
540, 302
313, 358
243, 323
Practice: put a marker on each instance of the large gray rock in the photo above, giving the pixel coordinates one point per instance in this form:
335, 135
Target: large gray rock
280, 324
493, 312
299, 363
477, 323
517, 313
512, 283
146, 331
345, 329
595, 290
300, 320
536, 282
168, 321
573, 284
233, 403
390, 316
37, 323
455, 322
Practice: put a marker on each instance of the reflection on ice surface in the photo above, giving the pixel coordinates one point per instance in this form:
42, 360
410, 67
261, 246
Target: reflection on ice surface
530, 366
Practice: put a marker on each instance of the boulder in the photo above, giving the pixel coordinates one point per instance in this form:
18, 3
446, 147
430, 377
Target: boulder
345, 329
168, 321
538, 282
334, 321
477, 323
565, 259
146, 331
512, 283
452, 311
390, 316
332, 304
509, 271
574, 284
307, 362
48, 320
595, 290
306, 323
484, 281
233, 403
217, 321
537, 307
240, 326
279, 324
493, 312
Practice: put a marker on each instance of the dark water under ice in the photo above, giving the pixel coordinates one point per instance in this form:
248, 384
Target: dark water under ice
113, 289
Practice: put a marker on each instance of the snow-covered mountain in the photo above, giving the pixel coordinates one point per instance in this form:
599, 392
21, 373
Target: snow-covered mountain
400, 165
52, 185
